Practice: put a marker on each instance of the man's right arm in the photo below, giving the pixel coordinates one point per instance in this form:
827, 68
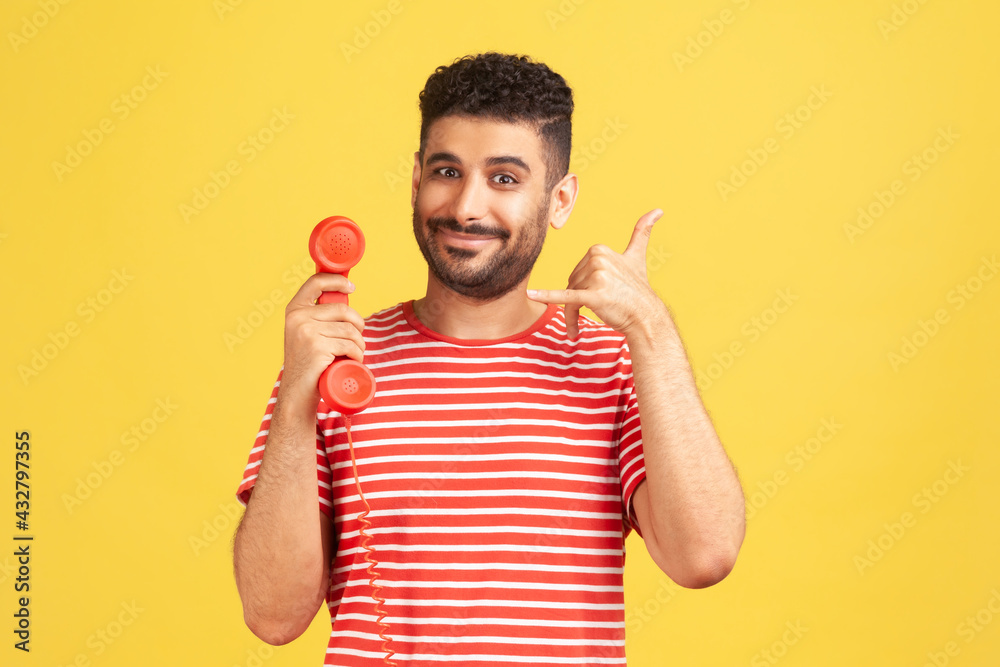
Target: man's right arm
282, 549
281, 553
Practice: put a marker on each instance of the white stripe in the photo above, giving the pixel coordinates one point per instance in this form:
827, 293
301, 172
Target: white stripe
476, 548
489, 493
627, 434
480, 458
475, 585
492, 511
492, 423
561, 342
488, 393
491, 659
494, 407
625, 452
391, 314
512, 375
545, 623
408, 338
534, 604
560, 349
566, 477
554, 440
390, 324
638, 472
485, 639
450, 530
484, 361
512, 567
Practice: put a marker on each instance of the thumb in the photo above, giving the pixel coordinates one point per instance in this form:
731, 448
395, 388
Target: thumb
640, 235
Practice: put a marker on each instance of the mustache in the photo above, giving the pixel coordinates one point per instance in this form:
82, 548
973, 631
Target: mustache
474, 229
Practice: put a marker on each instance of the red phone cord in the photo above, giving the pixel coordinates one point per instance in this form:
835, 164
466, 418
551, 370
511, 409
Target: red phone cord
370, 555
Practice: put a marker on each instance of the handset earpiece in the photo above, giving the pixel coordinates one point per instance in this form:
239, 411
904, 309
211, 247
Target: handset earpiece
337, 245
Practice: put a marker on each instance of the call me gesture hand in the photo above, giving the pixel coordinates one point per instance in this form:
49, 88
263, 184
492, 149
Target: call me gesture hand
689, 508
614, 286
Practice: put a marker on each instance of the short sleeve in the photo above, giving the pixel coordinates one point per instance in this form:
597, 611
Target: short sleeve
323, 474
631, 465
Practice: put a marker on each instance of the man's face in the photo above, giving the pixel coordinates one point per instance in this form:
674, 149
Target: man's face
480, 209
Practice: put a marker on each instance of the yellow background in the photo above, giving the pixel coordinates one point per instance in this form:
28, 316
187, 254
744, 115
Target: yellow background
661, 132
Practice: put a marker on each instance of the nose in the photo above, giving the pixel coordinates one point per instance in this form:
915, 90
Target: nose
470, 203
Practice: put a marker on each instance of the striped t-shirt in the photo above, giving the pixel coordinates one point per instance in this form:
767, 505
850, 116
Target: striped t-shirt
500, 475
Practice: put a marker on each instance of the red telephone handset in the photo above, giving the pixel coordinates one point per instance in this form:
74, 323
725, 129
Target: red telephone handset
336, 245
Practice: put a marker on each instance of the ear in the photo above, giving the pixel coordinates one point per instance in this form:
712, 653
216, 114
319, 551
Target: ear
562, 201
416, 179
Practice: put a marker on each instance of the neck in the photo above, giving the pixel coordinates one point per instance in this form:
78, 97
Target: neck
451, 314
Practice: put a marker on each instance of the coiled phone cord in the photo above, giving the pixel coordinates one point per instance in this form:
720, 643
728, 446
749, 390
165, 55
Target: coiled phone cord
376, 588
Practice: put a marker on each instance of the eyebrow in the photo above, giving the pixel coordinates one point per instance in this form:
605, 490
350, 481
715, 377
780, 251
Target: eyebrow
443, 156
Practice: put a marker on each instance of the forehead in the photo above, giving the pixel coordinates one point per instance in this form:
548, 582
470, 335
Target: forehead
474, 140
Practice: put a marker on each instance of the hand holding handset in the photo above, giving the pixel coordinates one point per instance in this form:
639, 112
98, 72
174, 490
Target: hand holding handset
337, 245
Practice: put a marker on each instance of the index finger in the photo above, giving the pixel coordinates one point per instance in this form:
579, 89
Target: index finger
574, 297
318, 283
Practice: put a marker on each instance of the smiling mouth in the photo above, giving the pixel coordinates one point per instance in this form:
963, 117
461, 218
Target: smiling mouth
461, 240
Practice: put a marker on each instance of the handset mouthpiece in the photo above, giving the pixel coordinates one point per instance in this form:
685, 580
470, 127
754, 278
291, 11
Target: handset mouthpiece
336, 244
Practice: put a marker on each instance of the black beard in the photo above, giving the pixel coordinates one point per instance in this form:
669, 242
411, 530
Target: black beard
504, 271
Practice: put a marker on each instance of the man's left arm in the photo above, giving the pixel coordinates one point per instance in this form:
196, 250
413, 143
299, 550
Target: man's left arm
690, 507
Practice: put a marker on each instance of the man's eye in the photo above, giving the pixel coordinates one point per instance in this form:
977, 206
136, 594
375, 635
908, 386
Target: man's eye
442, 171
510, 179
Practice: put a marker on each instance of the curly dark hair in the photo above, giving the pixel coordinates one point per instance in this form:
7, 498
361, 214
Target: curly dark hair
508, 88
